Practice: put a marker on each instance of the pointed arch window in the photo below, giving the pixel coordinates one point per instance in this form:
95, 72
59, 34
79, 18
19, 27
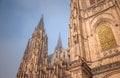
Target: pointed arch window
106, 37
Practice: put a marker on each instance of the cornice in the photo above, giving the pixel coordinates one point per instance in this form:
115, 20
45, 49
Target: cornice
105, 68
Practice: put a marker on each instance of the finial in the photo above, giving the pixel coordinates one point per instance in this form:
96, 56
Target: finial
59, 43
41, 23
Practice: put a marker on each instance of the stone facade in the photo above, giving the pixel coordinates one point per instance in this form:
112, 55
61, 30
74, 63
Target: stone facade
93, 45
36, 54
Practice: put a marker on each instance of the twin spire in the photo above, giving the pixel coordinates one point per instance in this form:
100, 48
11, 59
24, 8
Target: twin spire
59, 43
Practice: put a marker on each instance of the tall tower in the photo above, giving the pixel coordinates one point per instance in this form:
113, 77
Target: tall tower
76, 40
93, 48
35, 55
59, 43
90, 23
94, 34
58, 53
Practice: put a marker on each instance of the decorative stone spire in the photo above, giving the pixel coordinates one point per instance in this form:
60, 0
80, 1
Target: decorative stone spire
27, 47
40, 28
59, 43
41, 23
35, 54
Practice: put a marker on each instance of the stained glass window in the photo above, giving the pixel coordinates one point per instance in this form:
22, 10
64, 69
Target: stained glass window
106, 37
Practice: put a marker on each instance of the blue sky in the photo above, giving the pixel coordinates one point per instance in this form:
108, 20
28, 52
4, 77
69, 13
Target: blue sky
18, 19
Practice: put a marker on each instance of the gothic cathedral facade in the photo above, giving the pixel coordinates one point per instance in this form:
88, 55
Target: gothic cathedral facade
93, 45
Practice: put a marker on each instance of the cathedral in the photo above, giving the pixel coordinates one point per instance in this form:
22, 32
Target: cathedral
93, 45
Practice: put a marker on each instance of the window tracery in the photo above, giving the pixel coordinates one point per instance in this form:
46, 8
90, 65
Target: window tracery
106, 37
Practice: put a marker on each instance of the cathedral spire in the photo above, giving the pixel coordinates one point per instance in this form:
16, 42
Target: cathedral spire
41, 23
39, 28
27, 47
59, 43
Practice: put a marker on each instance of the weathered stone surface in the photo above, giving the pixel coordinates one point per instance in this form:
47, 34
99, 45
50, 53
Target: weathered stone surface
93, 45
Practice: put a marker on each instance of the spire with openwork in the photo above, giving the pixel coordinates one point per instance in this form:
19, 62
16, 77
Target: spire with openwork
35, 54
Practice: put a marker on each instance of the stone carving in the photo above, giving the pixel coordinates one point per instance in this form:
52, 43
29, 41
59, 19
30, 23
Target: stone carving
82, 58
106, 37
108, 67
97, 7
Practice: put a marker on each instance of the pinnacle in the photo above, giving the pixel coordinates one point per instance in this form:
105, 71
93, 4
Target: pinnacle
39, 28
41, 23
59, 43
